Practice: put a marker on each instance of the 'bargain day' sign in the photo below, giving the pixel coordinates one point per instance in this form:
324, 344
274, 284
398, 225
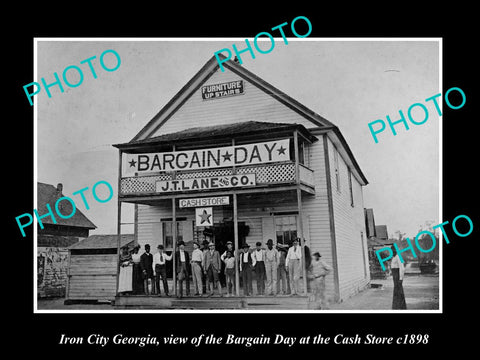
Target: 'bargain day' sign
250, 154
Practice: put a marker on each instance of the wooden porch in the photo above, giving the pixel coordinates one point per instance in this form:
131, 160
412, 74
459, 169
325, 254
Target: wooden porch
280, 302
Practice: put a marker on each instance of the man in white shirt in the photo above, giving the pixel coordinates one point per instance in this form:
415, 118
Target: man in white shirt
259, 258
160, 269
197, 258
292, 262
271, 265
247, 262
316, 274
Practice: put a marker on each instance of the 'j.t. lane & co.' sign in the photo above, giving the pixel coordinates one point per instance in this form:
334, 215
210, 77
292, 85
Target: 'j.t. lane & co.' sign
206, 183
222, 90
238, 155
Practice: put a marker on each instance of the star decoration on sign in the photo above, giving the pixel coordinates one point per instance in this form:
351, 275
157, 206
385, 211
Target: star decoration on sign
132, 163
205, 217
281, 151
227, 156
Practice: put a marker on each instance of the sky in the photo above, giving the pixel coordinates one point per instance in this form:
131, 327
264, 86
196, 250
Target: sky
350, 83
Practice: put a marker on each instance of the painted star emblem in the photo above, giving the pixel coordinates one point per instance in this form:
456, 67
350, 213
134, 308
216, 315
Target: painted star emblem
227, 156
281, 151
205, 217
132, 163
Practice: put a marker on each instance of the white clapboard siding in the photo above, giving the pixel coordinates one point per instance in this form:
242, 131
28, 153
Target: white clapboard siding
253, 105
92, 277
316, 208
150, 226
349, 226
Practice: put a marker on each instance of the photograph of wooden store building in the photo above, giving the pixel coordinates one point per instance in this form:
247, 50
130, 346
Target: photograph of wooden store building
278, 170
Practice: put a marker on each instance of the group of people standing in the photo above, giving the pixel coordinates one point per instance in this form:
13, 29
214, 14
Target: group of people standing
277, 270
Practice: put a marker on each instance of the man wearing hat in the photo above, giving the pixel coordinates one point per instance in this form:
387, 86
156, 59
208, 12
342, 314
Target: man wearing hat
271, 265
229, 248
282, 270
316, 274
212, 266
292, 262
146, 261
259, 258
246, 264
206, 286
224, 263
182, 262
197, 259
160, 269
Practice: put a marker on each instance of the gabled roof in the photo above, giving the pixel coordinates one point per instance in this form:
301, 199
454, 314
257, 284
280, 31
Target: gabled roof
203, 74
246, 128
48, 194
210, 67
102, 242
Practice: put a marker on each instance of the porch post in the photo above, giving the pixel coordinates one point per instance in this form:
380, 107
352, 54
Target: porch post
174, 236
300, 212
235, 232
119, 217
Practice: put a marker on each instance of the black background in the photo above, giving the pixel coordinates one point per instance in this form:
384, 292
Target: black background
40, 333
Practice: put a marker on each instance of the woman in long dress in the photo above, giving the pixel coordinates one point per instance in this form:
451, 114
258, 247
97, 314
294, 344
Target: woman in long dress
126, 272
137, 280
398, 271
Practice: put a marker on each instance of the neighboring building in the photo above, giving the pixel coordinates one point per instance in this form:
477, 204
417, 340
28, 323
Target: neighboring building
92, 269
278, 169
53, 240
377, 239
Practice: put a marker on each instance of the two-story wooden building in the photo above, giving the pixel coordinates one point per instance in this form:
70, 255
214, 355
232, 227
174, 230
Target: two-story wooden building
269, 167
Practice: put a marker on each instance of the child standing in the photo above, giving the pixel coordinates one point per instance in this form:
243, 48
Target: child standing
230, 272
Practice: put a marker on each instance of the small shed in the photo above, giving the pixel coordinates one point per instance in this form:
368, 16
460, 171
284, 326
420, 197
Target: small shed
92, 267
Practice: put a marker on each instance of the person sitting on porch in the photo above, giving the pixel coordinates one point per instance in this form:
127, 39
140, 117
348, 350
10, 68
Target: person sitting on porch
146, 261
182, 262
160, 269
212, 267
126, 272
259, 256
197, 258
229, 261
246, 264
292, 262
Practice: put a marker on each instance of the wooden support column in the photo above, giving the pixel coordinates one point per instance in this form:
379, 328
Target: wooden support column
302, 239
174, 236
119, 217
300, 212
235, 232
